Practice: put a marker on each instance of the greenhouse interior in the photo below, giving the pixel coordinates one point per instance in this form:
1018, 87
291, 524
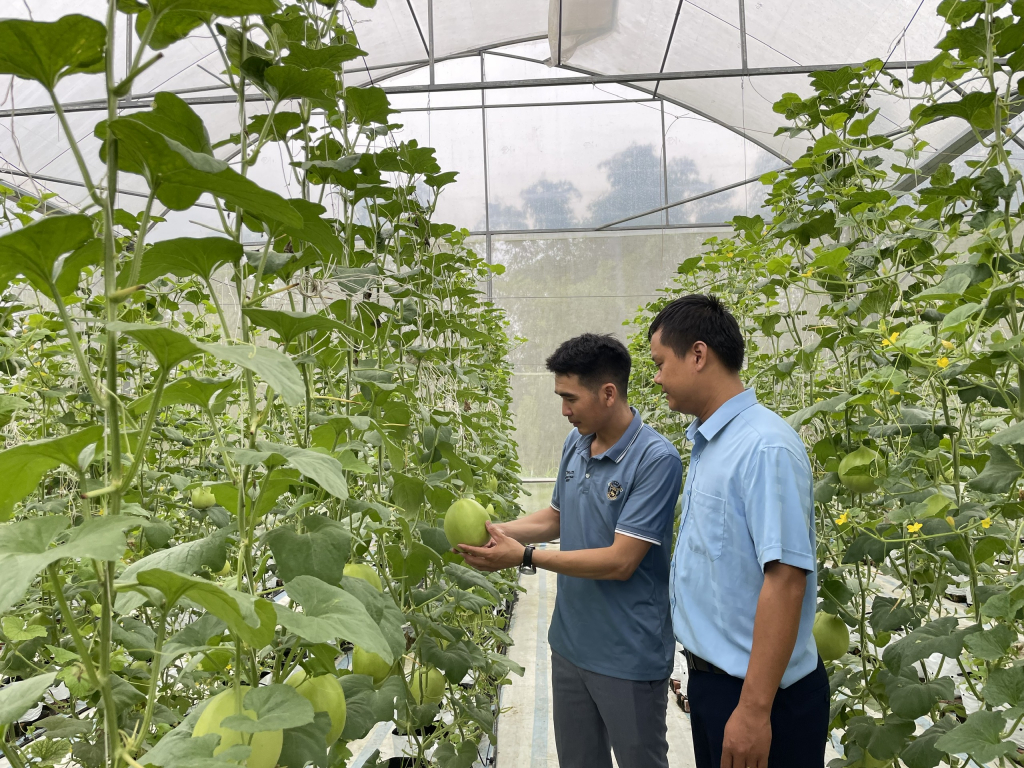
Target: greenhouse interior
317, 316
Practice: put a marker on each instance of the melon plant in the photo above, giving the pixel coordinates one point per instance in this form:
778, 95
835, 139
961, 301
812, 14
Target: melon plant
224, 415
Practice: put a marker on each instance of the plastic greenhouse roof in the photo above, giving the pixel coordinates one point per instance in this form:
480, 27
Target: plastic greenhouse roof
598, 62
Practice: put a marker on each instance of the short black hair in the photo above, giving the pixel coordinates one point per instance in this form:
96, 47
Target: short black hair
694, 318
596, 359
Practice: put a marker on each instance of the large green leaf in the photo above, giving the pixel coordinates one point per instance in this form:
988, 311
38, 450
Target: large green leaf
285, 81
325, 470
276, 706
34, 251
168, 347
910, 698
367, 105
178, 175
315, 230
18, 698
217, 7
883, 740
328, 57
189, 390
321, 551
939, 636
252, 620
1005, 686
367, 706
273, 367
48, 51
287, 324
455, 659
23, 466
330, 614
28, 546
188, 257
1000, 473
187, 558
980, 737
306, 744
977, 108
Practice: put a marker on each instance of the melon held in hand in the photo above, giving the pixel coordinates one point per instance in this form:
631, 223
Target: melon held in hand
465, 523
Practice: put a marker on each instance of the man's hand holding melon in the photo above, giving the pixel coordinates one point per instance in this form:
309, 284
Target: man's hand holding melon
485, 546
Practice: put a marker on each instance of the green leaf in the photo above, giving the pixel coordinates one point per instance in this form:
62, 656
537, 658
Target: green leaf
382, 609
18, 698
287, 324
178, 175
25, 548
939, 636
325, 470
188, 390
217, 7
455, 659
1004, 605
910, 698
980, 738
1013, 435
367, 105
275, 368
949, 289
187, 558
977, 108
321, 551
328, 57
991, 644
447, 755
18, 631
167, 347
921, 752
467, 578
306, 744
957, 319
1000, 473
251, 620
835, 404
34, 251
23, 466
276, 706
285, 81
882, 740
330, 614
49, 51
367, 706
187, 257
1005, 686
407, 492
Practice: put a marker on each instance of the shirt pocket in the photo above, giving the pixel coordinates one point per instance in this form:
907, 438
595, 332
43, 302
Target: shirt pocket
707, 524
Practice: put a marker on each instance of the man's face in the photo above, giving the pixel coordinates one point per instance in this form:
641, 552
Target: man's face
580, 404
675, 374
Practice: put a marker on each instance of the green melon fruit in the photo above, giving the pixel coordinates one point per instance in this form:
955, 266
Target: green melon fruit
325, 693
364, 572
465, 523
203, 498
491, 484
368, 663
427, 685
266, 745
831, 636
861, 470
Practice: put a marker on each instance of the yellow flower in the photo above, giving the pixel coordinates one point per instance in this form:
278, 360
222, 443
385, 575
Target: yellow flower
891, 340
951, 521
947, 344
915, 527
841, 520
986, 523
942, 362
893, 392
808, 273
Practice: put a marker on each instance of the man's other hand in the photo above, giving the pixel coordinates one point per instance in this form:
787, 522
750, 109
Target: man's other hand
748, 738
500, 552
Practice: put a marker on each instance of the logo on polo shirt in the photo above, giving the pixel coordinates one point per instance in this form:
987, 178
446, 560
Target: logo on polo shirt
569, 474
614, 489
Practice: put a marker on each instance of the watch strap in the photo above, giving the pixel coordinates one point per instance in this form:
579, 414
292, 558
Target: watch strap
528, 560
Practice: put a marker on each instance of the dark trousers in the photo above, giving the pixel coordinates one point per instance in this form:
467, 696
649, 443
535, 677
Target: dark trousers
799, 718
595, 714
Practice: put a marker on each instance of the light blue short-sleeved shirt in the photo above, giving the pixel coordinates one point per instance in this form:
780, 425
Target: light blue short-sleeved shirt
748, 500
621, 629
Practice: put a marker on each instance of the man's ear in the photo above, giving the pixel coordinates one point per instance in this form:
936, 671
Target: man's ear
700, 355
609, 392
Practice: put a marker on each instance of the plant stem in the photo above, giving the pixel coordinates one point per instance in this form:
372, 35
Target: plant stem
147, 427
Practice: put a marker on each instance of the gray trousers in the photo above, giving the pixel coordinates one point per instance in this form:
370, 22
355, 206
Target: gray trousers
595, 714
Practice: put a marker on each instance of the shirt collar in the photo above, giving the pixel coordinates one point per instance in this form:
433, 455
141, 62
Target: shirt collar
726, 412
617, 451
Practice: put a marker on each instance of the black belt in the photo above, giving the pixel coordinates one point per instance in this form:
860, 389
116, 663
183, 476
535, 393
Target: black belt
697, 663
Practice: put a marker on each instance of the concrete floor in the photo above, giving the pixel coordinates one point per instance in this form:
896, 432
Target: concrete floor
526, 737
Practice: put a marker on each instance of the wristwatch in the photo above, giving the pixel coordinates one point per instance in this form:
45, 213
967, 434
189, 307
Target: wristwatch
528, 566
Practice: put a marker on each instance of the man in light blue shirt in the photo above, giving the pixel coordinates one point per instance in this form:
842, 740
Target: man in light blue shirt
744, 567
612, 508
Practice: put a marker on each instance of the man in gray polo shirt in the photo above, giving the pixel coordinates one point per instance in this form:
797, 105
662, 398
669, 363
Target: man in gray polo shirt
613, 505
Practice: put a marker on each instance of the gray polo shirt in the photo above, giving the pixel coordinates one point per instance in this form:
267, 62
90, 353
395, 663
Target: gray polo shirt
621, 629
